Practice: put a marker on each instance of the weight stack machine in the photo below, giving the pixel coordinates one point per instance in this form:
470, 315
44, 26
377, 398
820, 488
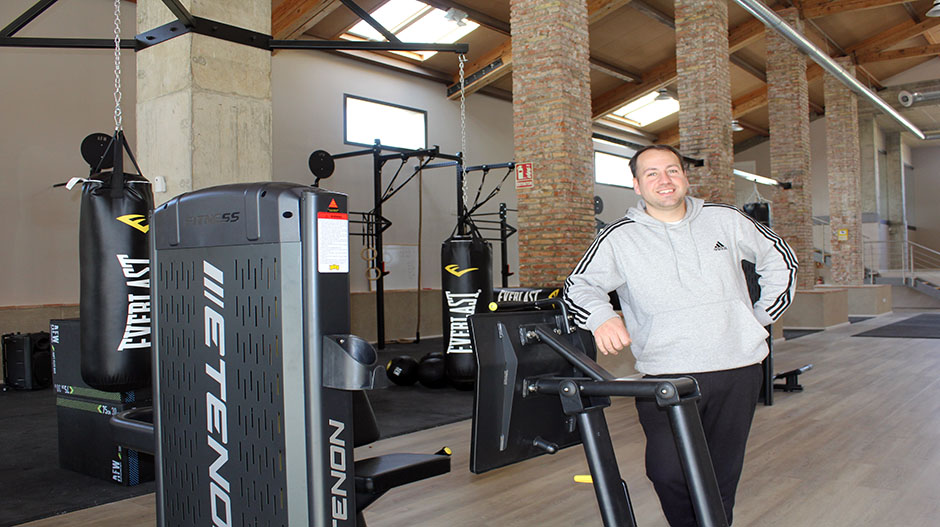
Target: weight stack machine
255, 370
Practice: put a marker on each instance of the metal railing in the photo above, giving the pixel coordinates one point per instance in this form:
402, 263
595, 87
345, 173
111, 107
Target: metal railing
901, 259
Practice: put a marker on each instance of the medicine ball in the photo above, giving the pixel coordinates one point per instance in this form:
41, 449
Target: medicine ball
431, 370
402, 370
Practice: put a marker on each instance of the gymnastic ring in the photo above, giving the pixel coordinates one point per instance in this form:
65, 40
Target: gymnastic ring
369, 275
368, 251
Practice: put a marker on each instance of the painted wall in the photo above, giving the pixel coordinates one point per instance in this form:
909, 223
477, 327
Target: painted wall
308, 90
925, 187
51, 100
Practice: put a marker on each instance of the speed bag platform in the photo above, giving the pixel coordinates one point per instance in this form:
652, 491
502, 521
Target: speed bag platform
114, 259
467, 286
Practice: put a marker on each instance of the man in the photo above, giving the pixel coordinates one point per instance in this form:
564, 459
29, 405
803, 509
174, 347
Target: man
675, 263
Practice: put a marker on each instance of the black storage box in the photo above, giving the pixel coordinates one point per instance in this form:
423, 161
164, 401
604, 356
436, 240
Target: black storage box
86, 444
27, 364
65, 336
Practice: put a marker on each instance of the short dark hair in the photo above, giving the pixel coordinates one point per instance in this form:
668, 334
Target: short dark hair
665, 148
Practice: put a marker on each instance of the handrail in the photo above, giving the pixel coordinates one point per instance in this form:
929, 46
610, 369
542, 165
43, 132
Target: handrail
913, 257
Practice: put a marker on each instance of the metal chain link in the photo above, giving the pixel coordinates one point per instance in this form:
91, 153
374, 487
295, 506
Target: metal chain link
461, 59
118, 118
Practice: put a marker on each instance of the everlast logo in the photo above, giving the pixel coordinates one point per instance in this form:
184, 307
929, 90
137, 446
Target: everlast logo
338, 502
460, 306
137, 326
220, 502
218, 217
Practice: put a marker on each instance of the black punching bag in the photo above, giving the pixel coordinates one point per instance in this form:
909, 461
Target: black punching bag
467, 285
114, 255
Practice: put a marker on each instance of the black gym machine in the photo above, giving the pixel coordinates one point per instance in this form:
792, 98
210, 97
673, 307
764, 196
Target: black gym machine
527, 351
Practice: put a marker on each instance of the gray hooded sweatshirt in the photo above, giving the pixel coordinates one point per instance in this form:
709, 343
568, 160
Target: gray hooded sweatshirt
682, 292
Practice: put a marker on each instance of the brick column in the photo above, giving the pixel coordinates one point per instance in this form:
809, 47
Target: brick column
842, 162
894, 200
705, 96
788, 94
552, 130
204, 104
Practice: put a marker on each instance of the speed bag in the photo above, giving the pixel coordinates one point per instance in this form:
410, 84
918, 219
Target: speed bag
114, 259
467, 284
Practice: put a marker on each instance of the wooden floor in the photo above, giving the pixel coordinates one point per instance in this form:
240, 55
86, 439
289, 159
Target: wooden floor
859, 447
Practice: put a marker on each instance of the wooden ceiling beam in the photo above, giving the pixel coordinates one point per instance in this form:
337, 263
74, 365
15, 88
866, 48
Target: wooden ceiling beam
485, 71
820, 8
598, 9
893, 36
485, 20
292, 18
655, 14
498, 63
905, 53
665, 72
755, 71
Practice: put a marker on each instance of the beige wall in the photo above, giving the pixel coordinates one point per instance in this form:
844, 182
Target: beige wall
308, 90
51, 100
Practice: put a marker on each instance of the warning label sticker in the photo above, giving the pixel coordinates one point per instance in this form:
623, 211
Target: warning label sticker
332, 242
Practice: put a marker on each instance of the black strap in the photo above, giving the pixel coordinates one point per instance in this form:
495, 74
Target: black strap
117, 170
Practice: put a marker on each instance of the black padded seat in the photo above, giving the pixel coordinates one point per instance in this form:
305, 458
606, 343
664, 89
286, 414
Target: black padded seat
376, 475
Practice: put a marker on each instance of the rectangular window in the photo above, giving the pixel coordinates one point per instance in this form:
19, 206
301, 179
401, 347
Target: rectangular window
611, 169
365, 120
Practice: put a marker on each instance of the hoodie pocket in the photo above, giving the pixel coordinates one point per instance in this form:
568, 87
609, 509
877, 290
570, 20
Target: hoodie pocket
699, 338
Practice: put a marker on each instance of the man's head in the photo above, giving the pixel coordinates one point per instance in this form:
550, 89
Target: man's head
659, 178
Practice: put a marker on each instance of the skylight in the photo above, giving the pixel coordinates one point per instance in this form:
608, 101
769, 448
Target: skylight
413, 21
647, 109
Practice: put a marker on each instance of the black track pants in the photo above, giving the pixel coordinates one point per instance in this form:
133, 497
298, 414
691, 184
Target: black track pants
727, 408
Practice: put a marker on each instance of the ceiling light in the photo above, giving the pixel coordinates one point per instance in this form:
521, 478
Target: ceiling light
736, 126
457, 16
755, 178
935, 10
664, 94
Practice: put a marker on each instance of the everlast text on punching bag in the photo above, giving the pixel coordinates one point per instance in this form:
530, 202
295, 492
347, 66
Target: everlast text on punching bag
114, 256
467, 284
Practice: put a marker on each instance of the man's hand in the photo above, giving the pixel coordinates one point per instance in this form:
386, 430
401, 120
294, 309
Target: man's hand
611, 336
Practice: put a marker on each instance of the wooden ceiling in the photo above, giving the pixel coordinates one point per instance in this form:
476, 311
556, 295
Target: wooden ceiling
633, 49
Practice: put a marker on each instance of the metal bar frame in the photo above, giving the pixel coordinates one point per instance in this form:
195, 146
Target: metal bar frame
211, 28
28, 16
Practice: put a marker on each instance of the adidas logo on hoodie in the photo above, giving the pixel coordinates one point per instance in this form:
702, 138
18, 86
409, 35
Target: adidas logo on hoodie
720, 247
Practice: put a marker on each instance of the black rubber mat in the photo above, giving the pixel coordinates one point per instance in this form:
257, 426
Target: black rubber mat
32, 485
924, 326
790, 334
859, 318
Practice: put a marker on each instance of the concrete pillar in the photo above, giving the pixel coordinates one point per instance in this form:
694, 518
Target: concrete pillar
552, 130
705, 96
868, 158
843, 160
894, 200
788, 94
204, 104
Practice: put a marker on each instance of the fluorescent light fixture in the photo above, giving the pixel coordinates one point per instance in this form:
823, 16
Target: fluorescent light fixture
756, 179
736, 126
935, 10
648, 109
413, 21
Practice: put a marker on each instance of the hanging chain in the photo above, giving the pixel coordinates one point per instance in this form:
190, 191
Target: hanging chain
117, 65
461, 59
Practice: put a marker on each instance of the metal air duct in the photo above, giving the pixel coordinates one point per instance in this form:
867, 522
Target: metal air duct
771, 20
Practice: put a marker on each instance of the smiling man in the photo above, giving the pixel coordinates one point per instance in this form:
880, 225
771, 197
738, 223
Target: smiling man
675, 263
